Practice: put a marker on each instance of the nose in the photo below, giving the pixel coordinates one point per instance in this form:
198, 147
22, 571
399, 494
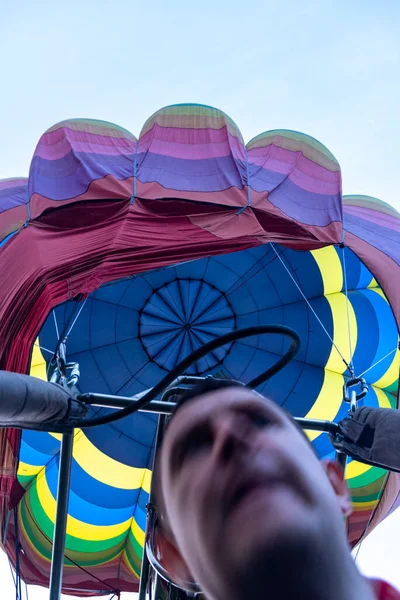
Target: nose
231, 434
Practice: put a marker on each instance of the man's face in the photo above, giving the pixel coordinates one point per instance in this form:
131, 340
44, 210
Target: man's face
240, 481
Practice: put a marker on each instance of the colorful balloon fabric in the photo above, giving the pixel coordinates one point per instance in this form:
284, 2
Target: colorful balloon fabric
162, 243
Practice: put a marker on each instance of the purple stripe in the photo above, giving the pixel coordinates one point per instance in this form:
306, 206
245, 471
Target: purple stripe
284, 161
11, 198
379, 237
306, 207
262, 179
206, 175
71, 176
372, 203
368, 214
264, 154
91, 128
196, 151
184, 143
6, 184
85, 143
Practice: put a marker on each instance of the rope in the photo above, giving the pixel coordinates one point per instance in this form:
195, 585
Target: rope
378, 361
76, 318
56, 326
111, 589
351, 366
46, 350
311, 308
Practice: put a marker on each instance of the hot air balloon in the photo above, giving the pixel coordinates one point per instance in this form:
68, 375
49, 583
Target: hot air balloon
137, 252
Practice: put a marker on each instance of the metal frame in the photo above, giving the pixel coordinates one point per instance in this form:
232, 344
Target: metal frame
163, 408
60, 526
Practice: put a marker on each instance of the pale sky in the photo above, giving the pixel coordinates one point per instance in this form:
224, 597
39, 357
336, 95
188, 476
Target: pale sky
328, 68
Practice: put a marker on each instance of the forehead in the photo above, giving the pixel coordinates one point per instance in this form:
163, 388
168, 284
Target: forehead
213, 403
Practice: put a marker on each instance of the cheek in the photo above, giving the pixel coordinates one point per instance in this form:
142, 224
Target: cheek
296, 461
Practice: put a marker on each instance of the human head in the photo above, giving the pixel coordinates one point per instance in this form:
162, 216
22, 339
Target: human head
242, 490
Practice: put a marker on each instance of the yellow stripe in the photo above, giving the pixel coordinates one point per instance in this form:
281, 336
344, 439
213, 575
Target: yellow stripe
392, 373
328, 402
38, 364
330, 268
34, 548
373, 283
383, 400
76, 528
365, 505
355, 468
105, 469
28, 470
338, 304
138, 533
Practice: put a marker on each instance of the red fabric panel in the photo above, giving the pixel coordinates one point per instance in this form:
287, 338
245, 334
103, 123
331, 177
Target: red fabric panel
78, 247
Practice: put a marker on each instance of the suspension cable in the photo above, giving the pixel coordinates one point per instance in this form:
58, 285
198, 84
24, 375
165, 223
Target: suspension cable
56, 324
378, 361
310, 307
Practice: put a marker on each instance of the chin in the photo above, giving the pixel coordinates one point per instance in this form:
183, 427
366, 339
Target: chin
261, 560
270, 540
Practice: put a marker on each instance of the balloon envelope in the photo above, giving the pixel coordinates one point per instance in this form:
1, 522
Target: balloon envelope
172, 240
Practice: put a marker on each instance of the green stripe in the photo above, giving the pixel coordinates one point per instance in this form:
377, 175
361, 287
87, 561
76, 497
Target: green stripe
25, 480
196, 109
35, 536
193, 110
392, 393
295, 135
133, 559
136, 547
372, 203
370, 476
94, 123
44, 546
370, 498
72, 543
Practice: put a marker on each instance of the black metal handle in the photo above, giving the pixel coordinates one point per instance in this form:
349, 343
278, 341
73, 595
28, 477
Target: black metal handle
199, 353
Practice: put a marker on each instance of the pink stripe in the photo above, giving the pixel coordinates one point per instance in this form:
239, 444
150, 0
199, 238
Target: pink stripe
93, 128
179, 143
231, 197
57, 144
301, 170
52, 137
373, 216
186, 135
312, 184
195, 151
13, 183
289, 156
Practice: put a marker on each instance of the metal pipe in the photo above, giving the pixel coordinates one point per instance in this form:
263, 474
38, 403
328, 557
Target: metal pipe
145, 568
341, 459
166, 408
106, 401
144, 574
317, 425
60, 525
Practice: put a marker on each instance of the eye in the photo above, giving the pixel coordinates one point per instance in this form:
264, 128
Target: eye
260, 420
199, 440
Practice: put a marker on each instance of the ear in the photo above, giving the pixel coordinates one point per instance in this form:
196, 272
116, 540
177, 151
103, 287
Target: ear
170, 558
335, 474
